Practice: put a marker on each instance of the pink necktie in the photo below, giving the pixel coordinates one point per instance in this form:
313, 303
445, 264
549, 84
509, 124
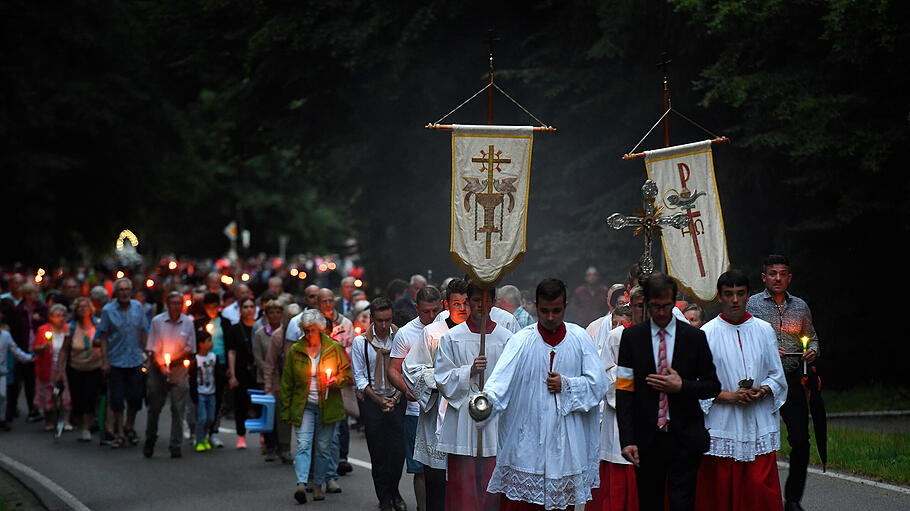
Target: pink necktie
663, 369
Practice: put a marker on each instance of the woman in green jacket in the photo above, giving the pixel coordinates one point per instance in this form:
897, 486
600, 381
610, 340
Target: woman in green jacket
315, 371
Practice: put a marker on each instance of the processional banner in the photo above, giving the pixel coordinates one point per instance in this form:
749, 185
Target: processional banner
491, 169
697, 254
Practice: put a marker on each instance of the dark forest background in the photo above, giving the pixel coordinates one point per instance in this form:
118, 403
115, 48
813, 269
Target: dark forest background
306, 119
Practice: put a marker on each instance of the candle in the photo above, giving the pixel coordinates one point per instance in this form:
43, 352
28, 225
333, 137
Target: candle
48, 335
328, 374
186, 363
167, 360
805, 341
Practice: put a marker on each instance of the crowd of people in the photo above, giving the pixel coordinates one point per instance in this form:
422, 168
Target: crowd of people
490, 398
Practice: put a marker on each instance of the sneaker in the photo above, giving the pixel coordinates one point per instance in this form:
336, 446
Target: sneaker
216, 442
186, 430
108, 438
67, 427
208, 445
331, 486
34, 416
317, 493
300, 493
200, 447
149, 448
85, 436
344, 468
241, 442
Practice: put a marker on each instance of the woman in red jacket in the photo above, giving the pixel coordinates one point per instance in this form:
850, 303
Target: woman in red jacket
48, 342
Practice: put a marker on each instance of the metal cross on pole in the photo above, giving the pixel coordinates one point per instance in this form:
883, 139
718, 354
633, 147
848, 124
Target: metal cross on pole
648, 221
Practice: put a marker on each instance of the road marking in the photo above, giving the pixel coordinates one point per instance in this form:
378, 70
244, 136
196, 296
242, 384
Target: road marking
353, 461
41, 479
853, 479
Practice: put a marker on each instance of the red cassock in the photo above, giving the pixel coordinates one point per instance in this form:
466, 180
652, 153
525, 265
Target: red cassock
462, 484
617, 490
518, 505
725, 484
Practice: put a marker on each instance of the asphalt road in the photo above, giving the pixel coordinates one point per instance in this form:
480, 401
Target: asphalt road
228, 479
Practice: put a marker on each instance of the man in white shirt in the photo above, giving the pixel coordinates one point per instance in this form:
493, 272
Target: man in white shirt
459, 366
739, 471
545, 391
429, 304
381, 409
171, 340
419, 368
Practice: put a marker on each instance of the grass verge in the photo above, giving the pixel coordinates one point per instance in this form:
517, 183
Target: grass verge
867, 453
866, 398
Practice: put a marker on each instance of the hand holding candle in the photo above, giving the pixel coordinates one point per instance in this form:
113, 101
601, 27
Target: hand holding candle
328, 381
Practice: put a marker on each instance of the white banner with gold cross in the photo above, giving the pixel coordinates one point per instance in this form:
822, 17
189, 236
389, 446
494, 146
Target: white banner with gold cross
491, 169
697, 254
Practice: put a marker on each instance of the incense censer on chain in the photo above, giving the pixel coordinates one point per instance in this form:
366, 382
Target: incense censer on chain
480, 407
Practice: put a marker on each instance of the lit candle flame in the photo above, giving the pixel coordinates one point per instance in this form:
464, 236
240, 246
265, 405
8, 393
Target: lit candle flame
210, 328
172, 265
358, 283
120, 274
167, 359
149, 283
48, 335
186, 363
805, 340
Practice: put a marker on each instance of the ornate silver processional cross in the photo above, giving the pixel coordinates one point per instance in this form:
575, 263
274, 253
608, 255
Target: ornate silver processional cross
648, 221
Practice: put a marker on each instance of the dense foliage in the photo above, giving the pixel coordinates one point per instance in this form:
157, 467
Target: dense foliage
304, 119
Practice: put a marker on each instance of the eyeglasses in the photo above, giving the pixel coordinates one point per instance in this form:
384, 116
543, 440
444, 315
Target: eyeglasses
654, 307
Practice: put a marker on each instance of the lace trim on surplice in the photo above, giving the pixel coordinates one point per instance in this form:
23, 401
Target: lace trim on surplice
558, 493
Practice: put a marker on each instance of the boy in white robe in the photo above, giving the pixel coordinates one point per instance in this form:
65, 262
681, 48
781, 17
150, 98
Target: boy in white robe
458, 367
499, 316
618, 490
545, 391
739, 471
419, 370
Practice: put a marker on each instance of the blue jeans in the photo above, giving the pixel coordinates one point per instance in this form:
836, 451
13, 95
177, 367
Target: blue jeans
205, 415
312, 429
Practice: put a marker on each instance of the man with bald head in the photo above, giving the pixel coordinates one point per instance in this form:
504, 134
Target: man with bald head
344, 303
232, 311
276, 285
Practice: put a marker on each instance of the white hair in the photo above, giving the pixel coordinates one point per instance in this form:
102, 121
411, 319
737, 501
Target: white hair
418, 278
311, 317
510, 294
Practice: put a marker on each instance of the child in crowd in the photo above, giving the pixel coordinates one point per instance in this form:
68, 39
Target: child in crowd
7, 345
622, 315
202, 388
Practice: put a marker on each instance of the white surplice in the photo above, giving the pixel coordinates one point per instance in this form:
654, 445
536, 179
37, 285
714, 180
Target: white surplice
548, 443
454, 356
737, 431
607, 342
405, 339
419, 371
501, 317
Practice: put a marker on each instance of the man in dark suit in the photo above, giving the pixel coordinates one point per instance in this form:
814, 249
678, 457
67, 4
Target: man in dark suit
344, 304
664, 368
